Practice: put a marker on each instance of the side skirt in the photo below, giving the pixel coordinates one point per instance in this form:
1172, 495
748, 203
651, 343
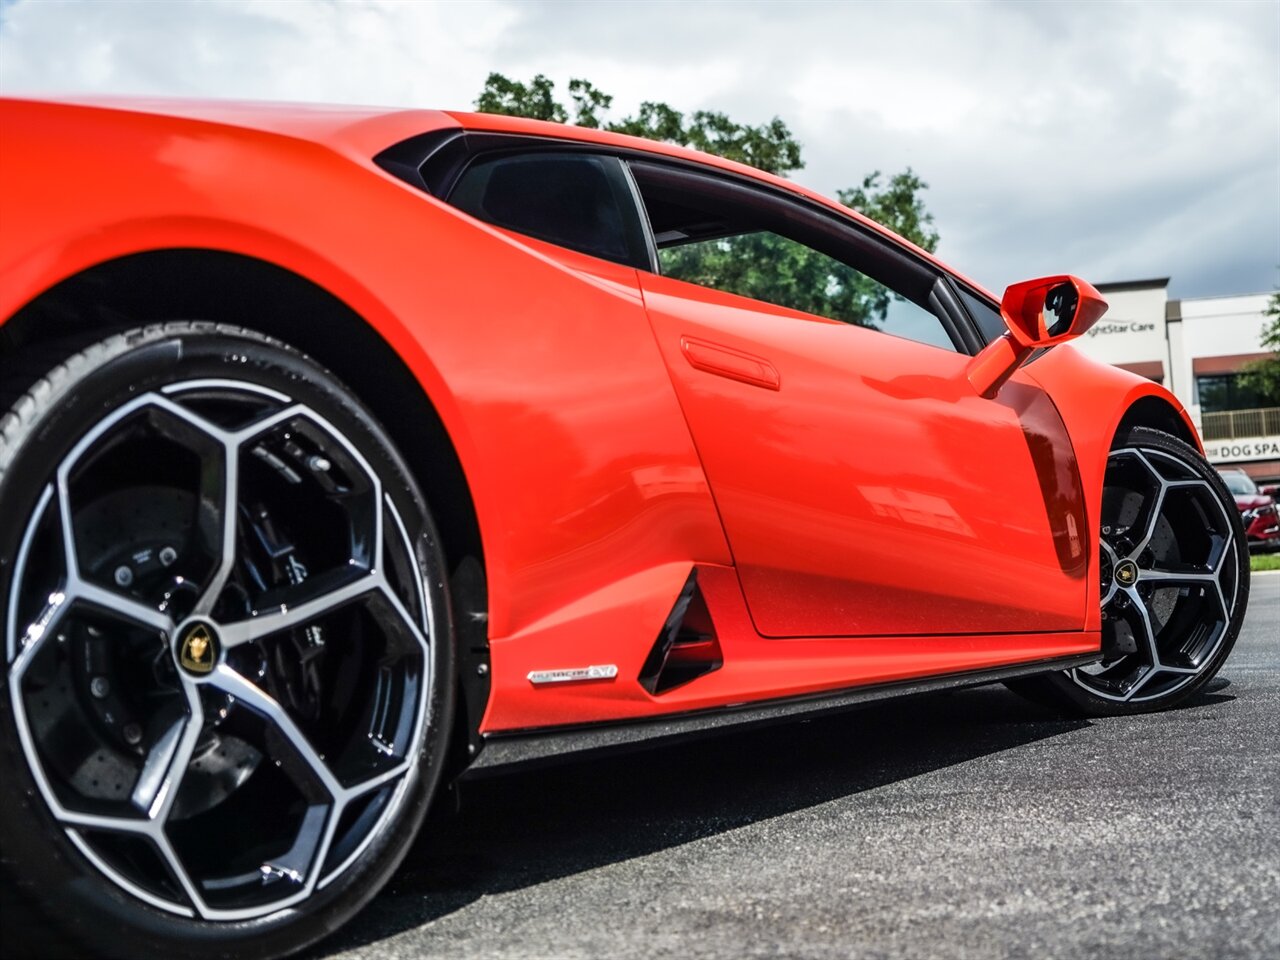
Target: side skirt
502, 751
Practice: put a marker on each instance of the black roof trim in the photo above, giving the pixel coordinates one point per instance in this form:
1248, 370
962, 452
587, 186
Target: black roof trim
1120, 285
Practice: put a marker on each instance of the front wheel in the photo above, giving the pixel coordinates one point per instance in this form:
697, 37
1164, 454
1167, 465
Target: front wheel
1174, 581
228, 649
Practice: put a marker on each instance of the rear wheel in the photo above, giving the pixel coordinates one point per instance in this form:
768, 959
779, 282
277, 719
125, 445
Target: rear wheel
1174, 581
229, 654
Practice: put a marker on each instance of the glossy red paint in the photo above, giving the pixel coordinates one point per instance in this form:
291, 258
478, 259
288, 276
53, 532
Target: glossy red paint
836, 487
1023, 309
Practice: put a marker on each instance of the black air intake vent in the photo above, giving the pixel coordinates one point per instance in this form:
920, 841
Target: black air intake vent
687, 646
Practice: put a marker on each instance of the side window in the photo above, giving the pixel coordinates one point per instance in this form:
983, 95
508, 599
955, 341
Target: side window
742, 241
574, 200
775, 269
984, 315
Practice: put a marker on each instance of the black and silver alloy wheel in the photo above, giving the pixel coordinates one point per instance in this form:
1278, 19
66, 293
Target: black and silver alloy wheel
1174, 580
223, 629
1170, 576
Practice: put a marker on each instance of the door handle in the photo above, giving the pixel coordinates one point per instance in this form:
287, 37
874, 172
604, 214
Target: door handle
728, 362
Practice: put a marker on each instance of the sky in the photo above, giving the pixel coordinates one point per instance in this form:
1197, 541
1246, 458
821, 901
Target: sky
1117, 141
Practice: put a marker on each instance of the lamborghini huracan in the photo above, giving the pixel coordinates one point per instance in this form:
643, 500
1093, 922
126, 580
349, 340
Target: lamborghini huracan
345, 453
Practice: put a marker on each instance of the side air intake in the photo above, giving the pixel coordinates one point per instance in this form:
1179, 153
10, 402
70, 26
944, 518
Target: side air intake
686, 647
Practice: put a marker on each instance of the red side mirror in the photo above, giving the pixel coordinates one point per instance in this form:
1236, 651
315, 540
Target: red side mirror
1050, 310
1038, 313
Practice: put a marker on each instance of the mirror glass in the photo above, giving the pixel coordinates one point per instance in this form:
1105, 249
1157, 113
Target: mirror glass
1060, 305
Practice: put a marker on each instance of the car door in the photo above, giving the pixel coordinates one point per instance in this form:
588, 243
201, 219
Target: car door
864, 488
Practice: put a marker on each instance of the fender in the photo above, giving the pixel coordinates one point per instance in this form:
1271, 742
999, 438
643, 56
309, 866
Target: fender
1093, 398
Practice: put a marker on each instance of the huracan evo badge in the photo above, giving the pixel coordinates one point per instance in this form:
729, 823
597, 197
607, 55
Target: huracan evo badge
199, 649
605, 671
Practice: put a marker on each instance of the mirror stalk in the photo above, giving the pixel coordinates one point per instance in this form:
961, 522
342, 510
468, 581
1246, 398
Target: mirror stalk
1036, 313
988, 371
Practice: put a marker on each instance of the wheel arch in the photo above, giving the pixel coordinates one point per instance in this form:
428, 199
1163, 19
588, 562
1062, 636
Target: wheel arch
222, 286
1159, 414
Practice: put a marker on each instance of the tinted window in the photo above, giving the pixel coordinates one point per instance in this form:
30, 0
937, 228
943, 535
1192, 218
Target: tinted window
574, 200
778, 270
1227, 391
986, 316
722, 233
1239, 483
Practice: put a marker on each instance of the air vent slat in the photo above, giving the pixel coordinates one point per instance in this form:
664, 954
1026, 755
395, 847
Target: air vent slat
687, 646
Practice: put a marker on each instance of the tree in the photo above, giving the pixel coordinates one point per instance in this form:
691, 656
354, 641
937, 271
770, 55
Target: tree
769, 146
760, 265
1264, 375
514, 99
897, 206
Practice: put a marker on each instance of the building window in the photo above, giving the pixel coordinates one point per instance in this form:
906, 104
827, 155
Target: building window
1224, 391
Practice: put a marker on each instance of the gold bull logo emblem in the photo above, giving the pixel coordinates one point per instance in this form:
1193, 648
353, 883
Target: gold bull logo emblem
199, 649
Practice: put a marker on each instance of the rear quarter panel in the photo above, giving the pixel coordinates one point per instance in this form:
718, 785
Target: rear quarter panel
547, 378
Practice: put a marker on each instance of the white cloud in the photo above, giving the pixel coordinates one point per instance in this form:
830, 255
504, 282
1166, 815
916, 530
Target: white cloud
1118, 140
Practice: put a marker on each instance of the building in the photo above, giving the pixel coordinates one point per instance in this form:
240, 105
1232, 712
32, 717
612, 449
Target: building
1196, 348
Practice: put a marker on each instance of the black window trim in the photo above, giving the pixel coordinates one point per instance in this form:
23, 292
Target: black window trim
841, 232
433, 162
638, 238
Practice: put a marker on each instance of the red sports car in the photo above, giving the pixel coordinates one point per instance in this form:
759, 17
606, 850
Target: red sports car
1258, 510
347, 452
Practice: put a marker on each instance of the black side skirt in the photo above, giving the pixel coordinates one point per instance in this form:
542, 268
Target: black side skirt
504, 750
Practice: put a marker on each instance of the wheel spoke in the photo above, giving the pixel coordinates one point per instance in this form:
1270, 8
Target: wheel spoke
1152, 520
174, 863
1148, 636
121, 605
262, 703
1145, 673
312, 603
135, 825
1156, 576
38, 630
227, 545
167, 793
151, 782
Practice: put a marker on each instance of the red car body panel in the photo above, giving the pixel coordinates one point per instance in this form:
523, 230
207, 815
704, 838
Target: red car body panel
598, 445
829, 486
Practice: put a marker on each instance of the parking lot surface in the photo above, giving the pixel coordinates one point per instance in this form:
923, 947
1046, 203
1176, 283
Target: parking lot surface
970, 824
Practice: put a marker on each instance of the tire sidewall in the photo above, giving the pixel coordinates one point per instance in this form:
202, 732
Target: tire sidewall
35, 852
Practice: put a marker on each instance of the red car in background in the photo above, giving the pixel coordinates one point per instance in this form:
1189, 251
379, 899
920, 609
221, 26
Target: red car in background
347, 452
1258, 510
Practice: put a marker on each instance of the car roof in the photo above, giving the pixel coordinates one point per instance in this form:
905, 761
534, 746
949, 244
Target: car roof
496, 123
365, 131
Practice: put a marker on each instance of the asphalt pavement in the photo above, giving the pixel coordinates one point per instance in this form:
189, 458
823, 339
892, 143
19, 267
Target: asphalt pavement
968, 824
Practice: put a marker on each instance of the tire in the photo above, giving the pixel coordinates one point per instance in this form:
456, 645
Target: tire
1174, 583
229, 689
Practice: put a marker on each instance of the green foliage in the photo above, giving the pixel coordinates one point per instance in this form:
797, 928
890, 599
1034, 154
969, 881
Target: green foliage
769, 146
765, 266
759, 265
514, 99
1264, 561
897, 206
1264, 375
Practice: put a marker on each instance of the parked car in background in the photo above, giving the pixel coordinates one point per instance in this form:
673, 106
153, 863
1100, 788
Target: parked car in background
1258, 510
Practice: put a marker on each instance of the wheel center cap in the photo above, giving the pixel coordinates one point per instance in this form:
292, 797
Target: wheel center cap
198, 648
1126, 573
